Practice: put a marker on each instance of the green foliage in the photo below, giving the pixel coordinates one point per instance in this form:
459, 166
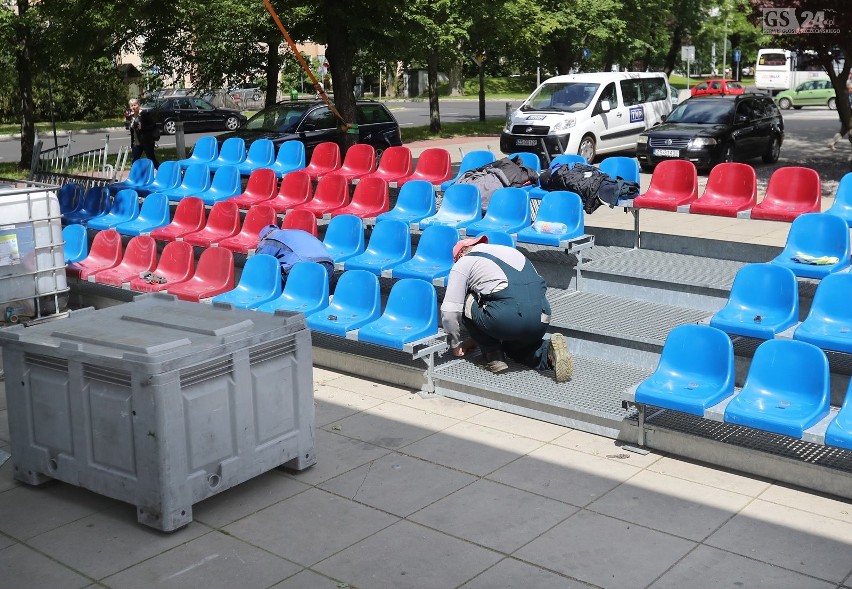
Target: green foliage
490, 127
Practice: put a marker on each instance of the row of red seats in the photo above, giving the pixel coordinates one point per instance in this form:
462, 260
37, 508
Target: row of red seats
138, 268
731, 191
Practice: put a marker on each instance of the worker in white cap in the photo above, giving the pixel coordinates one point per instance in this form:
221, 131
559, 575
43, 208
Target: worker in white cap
496, 294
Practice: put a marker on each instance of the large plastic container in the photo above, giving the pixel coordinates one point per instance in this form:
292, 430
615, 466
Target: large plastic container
159, 402
32, 264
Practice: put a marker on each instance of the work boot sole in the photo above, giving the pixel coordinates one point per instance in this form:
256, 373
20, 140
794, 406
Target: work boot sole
563, 365
496, 366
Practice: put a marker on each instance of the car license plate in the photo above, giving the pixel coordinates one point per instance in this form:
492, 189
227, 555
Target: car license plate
667, 152
526, 142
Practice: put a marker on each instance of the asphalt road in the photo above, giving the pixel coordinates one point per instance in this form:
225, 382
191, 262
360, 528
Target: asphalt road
807, 130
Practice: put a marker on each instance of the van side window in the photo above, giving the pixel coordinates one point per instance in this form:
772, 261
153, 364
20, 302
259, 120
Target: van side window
609, 94
631, 92
655, 89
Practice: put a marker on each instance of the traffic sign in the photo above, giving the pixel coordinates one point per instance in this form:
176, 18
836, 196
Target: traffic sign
687, 53
155, 70
737, 55
586, 53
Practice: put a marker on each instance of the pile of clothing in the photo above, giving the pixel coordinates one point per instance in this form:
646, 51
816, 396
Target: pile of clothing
593, 186
499, 174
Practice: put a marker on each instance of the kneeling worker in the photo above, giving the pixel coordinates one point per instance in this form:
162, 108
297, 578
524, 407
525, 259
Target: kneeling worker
497, 295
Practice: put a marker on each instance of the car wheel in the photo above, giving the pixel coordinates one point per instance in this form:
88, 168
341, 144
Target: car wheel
231, 123
832, 103
773, 150
169, 127
728, 155
588, 149
785, 104
256, 97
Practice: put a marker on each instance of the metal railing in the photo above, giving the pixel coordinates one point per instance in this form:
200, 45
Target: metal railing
94, 167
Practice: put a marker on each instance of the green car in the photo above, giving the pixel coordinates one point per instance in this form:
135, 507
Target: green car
810, 93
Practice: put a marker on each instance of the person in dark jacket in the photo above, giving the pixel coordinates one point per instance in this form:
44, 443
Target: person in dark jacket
142, 133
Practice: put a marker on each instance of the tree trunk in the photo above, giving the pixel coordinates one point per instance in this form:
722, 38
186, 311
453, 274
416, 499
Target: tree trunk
562, 53
434, 109
838, 82
482, 91
340, 54
674, 50
23, 59
609, 57
273, 67
456, 79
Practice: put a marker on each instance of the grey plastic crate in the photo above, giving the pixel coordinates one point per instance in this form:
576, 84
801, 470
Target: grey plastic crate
159, 402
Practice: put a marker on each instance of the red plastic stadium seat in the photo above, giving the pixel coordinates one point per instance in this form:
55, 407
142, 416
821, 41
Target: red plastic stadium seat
674, 183
324, 159
177, 263
369, 199
304, 220
433, 165
223, 222
295, 190
331, 194
791, 191
258, 217
139, 256
213, 275
261, 186
106, 252
731, 188
360, 160
189, 217
394, 165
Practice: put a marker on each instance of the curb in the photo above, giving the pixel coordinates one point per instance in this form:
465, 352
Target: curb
64, 133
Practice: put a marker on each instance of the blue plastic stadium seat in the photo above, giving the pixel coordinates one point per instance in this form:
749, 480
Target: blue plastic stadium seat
764, 301
411, 314
226, 184
415, 201
167, 177
557, 208
819, 236
356, 302
153, 215
470, 161
508, 211
389, 245
259, 283
306, 290
67, 196
434, 256
196, 179
695, 371
528, 159
232, 153
564, 159
204, 151
344, 237
76, 243
829, 322
499, 238
261, 154
842, 206
619, 166
125, 207
460, 207
786, 390
839, 432
141, 174
94, 202
291, 157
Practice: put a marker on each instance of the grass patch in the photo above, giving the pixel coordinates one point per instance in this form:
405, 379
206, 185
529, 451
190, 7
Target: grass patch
679, 82
44, 128
11, 171
462, 129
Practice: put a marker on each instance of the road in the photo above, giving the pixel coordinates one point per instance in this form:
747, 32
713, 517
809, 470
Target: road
807, 129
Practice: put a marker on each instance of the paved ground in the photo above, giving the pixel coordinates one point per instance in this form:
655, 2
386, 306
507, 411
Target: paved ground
436, 493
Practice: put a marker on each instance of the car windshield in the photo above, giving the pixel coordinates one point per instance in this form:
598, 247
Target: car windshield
280, 117
149, 104
562, 96
703, 112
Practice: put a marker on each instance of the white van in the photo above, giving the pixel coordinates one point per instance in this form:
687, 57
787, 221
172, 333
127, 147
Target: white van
588, 114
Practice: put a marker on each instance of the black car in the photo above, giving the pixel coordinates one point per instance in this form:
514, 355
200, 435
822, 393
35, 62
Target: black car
312, 123
196, 113
707, 130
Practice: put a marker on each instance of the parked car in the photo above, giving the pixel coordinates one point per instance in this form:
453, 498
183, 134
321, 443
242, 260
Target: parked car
196, 113
243, 92
717, 87
312, 122
707, 130
810, 93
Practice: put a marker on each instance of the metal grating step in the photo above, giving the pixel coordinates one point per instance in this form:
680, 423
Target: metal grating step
630, 319
668, 267
593, 395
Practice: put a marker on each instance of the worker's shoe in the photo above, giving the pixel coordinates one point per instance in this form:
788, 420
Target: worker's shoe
495, 362
559, 358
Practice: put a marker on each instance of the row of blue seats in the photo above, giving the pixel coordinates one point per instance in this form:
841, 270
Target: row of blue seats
786, 391
411, 312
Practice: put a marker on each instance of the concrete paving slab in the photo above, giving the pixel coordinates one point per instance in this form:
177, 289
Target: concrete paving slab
511, 574
604, 447
308, 579
809, 501
392, 426
332, 404
711, 476
27, 511
21, 566
442, 406
519, 425
337, 454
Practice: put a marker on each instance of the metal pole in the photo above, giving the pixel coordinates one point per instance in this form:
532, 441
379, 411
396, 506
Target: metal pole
180, 140
52, 118
725, 49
